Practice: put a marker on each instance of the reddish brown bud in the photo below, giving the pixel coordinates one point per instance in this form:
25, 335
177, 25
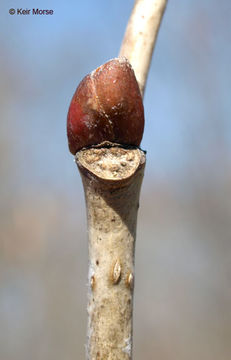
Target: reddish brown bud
107, 106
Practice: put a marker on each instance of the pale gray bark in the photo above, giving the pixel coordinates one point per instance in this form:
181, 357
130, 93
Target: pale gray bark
141, 35
112, 179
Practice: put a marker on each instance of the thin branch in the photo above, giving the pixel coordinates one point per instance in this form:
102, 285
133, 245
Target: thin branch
140, 36
112, 179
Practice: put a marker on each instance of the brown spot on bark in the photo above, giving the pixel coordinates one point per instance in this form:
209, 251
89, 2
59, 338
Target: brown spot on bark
130, 280
116, 272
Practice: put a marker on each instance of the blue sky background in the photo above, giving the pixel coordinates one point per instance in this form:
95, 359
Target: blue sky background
45, 57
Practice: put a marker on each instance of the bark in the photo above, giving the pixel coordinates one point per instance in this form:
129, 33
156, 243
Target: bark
112, 178
141, 35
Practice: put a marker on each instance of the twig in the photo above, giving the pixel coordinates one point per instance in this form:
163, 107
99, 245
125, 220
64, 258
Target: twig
140, 36
112, 179
108, 101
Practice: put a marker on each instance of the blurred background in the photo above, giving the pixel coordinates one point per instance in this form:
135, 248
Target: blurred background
183, 262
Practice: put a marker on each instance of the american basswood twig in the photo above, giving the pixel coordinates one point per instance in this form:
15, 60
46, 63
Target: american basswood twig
112, 179
108, 104
141, 35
